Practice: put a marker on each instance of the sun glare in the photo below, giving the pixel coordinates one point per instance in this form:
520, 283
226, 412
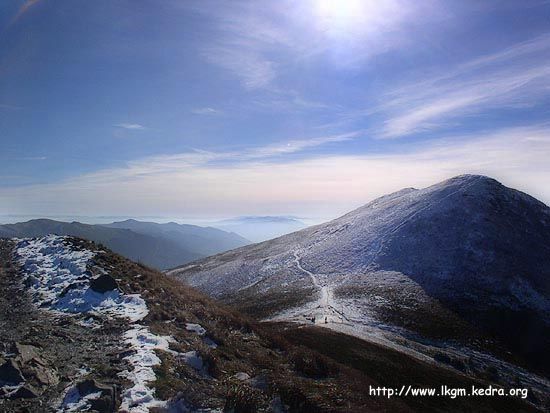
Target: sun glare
341, 10
355, 18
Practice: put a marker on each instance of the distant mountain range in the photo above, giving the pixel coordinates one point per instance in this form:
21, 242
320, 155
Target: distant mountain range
261, 228
465, 260
158, 245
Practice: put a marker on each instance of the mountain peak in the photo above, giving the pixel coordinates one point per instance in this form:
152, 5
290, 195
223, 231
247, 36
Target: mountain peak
469, 242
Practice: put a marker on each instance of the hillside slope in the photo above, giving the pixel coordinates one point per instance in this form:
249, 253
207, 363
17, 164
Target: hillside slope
84, 329
466, 259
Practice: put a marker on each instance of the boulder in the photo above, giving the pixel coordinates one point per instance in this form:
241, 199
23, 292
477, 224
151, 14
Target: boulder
103, 283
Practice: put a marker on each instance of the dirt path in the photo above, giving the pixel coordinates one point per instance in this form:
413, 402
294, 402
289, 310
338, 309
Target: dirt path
326, 311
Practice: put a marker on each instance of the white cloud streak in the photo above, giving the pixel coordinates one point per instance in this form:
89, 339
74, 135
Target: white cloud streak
197, 184
130, 126
206, 111
516, 77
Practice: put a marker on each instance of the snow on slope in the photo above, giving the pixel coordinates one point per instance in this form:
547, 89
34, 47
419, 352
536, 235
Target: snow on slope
411, 259
463, 235
59, 280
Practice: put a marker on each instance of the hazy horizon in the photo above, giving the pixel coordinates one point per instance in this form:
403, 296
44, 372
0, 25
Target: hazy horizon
202, 221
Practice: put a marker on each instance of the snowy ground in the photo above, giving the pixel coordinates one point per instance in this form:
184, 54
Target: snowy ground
352, 317
59, 279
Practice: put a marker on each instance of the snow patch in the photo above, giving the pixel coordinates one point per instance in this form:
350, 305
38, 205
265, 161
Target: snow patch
196, 328
60, 281
140, 398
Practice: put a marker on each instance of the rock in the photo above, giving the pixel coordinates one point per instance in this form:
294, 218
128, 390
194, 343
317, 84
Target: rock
103, 283
26, 353
43, 375
10, 373
241, 375
25, 392
106, 403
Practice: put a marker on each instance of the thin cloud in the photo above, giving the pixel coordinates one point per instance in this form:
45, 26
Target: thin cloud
252, 69
515, 77
206, 111
131, 126
33, 158
316, 184
297, 145
257, 43
9, 107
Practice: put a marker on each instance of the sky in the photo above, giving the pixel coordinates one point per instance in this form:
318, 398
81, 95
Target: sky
211, 109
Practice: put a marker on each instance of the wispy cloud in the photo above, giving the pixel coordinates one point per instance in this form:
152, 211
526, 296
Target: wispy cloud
244, 42
9, 107
253, 70
515, 77
33, 158
196, 158
259, 42
296, 145
315, 184
131, 126
206, 111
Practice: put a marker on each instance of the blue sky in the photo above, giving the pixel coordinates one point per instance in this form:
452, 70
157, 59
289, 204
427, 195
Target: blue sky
212, 109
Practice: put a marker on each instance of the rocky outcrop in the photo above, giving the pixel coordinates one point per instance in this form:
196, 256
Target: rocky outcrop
26, 374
